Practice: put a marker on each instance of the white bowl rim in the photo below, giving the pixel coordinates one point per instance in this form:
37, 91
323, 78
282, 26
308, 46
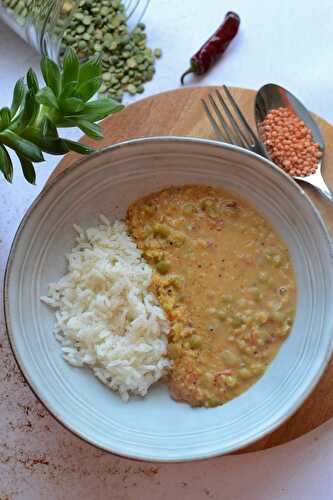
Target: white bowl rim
77, 164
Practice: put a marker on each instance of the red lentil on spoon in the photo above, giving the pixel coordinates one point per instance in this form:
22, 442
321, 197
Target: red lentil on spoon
290, 143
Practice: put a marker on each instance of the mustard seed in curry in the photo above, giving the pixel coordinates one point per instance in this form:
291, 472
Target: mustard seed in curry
226, 283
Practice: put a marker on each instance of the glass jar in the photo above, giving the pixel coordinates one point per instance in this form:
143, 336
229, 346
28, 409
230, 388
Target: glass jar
42, 23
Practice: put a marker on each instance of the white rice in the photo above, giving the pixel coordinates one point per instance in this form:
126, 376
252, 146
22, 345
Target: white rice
106, 318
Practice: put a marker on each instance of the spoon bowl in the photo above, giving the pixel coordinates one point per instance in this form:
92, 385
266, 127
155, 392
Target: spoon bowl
272, 96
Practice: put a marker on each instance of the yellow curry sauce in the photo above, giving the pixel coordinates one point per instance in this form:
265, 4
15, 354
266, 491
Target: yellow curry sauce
226, 283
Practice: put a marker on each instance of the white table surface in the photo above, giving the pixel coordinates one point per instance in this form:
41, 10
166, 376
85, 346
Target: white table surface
285, 42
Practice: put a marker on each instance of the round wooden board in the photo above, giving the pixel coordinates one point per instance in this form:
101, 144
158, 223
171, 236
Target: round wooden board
180, 112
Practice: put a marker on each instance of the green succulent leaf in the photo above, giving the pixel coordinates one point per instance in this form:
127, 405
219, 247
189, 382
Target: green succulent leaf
90, 69
28, 170
31, 108
90, 129
95, 111
88, 89
28, 113
21, 146
29, 127
48, 128
47, 98
32, 81
67, 122
48, 144
77, 147
72, 105
18, 96
5, 117
69, 89
51, 75
6, 165
71, 65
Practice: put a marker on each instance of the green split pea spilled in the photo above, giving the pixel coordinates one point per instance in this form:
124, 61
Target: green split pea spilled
100, 27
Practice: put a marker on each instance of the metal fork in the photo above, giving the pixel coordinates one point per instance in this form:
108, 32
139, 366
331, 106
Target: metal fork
230, 125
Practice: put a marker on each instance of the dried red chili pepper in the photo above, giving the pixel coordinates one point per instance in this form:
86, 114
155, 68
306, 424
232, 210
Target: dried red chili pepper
215, 46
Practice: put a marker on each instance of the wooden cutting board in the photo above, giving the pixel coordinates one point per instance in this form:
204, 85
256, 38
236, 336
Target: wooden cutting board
180, 112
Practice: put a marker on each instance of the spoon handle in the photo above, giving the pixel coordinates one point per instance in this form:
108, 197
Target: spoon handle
319, 183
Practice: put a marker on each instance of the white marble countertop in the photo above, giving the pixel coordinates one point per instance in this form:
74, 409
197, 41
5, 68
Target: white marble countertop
285, 42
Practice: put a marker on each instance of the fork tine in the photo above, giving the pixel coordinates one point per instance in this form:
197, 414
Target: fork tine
213, 123
240, 114
221, 120
241, 138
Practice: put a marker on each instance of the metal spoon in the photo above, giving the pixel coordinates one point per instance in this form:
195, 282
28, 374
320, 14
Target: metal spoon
273, 96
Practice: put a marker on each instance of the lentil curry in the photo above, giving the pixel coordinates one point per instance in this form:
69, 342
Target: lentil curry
226, 283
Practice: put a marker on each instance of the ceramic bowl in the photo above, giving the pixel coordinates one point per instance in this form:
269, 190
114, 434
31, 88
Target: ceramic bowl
157, 428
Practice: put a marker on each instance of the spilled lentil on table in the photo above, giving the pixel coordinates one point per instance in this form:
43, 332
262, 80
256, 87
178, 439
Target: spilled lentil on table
226, 282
